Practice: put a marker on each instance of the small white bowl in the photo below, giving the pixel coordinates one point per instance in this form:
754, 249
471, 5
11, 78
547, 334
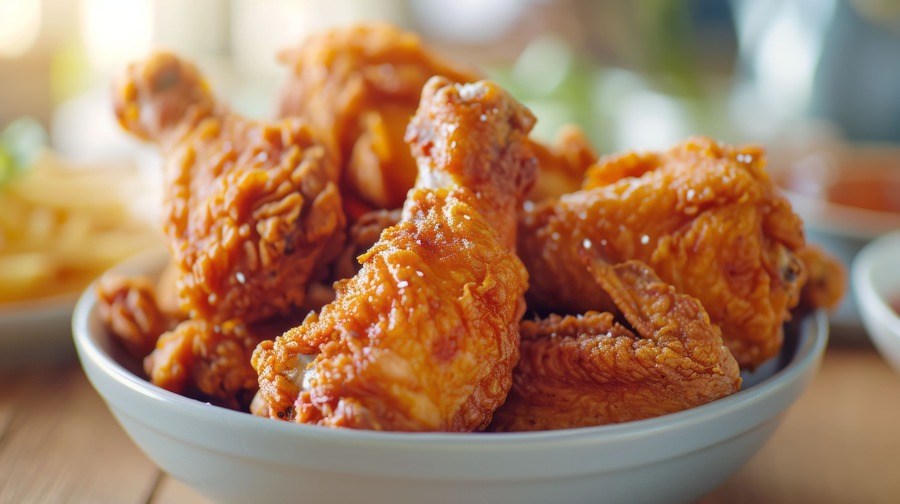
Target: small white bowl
875, 279
236, 457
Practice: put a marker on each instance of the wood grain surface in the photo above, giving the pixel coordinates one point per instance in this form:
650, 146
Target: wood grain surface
839, 443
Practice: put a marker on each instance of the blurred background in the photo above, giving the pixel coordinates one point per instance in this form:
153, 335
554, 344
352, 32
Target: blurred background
633, 74
801, 77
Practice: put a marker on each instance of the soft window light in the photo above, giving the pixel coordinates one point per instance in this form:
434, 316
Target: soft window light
116, 31
20, 22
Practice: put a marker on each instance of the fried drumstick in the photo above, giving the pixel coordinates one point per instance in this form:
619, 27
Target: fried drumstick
425, 336
251, 214
251, 209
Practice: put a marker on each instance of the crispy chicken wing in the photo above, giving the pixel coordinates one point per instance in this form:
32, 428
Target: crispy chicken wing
425, 336
251, 209
196, 358
584, 370
704, 216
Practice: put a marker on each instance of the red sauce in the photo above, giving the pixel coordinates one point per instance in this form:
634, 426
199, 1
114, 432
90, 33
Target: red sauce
869, 193
867, 179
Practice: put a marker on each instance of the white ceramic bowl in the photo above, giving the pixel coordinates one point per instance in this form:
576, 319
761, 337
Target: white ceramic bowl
235, 457
875, 280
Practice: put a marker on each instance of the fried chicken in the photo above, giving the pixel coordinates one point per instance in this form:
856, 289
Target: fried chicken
252, 212
703, 215
579, 371
363, 83
129, 307
562, 164
211, 362
425, 336
361, 236
195, 358
826, 279
252, 217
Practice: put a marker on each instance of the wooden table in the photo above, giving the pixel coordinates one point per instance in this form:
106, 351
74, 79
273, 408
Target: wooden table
839, 443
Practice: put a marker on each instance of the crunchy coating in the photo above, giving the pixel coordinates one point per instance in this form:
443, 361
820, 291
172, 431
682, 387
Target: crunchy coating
128, 306
361, 236
579, 371
252, 217
211, 362
251, 209
562, 164
425, 336
705, 216
362, 84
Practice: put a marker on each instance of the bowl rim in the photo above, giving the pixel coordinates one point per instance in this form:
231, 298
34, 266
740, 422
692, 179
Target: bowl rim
776, 392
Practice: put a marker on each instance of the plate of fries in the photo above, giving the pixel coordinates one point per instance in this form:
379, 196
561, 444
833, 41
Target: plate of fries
61, 225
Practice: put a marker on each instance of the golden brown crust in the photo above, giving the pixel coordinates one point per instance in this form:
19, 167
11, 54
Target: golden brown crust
362, 84
425, 336
579, 371
252, 216
703, 215
211, 362
562, 164
128, 307
252, 212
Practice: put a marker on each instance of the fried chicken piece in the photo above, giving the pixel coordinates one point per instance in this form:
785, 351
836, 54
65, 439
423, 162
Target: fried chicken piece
425, 336
363, 84
826, 279
211, 362
563, 164
128, 306
362, 235
705, 216
252, 212
579, 371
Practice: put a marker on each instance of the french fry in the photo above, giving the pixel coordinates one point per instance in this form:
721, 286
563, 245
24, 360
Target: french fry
61, 226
